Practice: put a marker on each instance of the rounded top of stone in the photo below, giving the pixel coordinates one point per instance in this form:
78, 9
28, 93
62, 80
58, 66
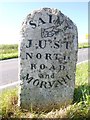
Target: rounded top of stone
47, 11
51, 10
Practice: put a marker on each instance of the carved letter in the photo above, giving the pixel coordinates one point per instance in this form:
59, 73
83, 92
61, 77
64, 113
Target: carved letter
36, 82
39, 56
52, 67
56, 44
43, 83
42, 66
66, 45
64, 80
33, 66
50, 18
30, 43
51, 83
48, 56
41, 21
33, 24
68, 77
28, 55
52, 76
41, 42
28, 79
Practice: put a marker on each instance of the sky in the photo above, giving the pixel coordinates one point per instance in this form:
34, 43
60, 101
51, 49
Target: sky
12, 14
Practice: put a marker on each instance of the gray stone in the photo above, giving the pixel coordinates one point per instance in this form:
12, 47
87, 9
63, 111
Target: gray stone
48, 56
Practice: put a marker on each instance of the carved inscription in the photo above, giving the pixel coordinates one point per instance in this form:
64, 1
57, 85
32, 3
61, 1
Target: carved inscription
46, 84
58, 57
50, 41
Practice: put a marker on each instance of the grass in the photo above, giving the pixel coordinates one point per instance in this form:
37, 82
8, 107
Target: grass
8, 51
11, 51
83, 45
78, 110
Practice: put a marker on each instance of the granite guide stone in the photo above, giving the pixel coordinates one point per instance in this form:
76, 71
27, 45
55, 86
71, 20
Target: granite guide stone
48, 56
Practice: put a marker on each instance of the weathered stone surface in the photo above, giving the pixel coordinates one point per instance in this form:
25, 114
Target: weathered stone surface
48, 55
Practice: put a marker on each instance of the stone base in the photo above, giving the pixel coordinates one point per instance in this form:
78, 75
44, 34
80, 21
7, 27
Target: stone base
46, 108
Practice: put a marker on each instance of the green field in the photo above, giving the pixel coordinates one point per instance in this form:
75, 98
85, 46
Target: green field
78, 110
83, 45
11, 51
8, 51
